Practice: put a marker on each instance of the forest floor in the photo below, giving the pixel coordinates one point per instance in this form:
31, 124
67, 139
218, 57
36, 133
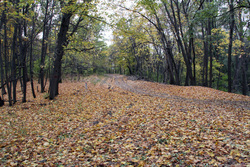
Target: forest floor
120, 121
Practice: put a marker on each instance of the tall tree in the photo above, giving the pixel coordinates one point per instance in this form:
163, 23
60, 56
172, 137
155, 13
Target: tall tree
231, 24
31, 52
69, 9
60, 44
47, 21
6, 55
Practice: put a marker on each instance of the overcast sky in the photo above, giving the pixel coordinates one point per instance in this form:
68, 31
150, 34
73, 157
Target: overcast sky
107, 33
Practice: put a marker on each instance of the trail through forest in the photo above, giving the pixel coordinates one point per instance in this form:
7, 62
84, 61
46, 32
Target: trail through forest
194, 95
121, 121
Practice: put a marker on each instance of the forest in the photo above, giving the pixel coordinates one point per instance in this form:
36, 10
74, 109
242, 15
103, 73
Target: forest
122, 83
204, 42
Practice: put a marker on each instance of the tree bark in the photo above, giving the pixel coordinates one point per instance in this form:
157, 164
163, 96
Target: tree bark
2, 71
230, 45
31, 57
205, 60
23, 51
178, 32
60, 44
13, 67
44, 47
8, 81
209, 29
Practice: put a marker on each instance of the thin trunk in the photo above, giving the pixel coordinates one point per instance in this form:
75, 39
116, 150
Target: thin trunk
8, 81
218, 79
31, 57
13, 67
168, 54
2, 71
130, 70
194, 64
230, 45
243, 57
205, 59
158, 66
177, 25
238, 64
44, 48
1, 60
210, 53
23, 50
244, 78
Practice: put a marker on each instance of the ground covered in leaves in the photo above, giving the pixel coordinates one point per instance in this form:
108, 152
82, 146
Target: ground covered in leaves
119, 121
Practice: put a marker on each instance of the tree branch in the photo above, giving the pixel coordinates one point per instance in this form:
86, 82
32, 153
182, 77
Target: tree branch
84, 49
142, 16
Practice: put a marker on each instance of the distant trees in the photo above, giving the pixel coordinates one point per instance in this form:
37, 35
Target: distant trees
197, 42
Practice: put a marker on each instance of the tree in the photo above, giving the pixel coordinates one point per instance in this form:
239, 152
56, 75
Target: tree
47, 21
68, 11
59, 51
231, 23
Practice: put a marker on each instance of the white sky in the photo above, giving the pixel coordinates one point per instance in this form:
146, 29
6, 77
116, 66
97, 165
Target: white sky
107, 33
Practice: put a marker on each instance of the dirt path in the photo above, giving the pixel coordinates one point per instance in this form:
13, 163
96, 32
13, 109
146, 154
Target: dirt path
195, 97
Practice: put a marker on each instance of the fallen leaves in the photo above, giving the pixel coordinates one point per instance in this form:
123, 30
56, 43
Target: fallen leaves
137, 123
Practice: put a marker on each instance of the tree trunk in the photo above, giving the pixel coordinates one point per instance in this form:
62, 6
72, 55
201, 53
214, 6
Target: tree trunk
13, 67
157, 72
230, 45
130, 70
210, 52
194, 63
8, 81
205, 60
178, 32
1, 59
31, 57
44, 47
2, 71
243, 65
61, 42
23, 51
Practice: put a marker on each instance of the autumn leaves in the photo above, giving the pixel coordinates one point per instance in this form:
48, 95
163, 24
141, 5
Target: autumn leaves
122, 128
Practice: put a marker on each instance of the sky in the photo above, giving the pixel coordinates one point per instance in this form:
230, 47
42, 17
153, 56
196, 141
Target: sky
107, 33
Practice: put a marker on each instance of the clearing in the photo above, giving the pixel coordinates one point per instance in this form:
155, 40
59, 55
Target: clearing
120, 121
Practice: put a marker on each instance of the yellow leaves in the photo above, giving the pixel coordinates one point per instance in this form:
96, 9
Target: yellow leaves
79, 148
221, 159
116, 128
188, 151
153, 136
213, 161
211, 154
141, 163
235, 153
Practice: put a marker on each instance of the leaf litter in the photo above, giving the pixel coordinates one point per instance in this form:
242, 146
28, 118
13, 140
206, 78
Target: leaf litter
123, 122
